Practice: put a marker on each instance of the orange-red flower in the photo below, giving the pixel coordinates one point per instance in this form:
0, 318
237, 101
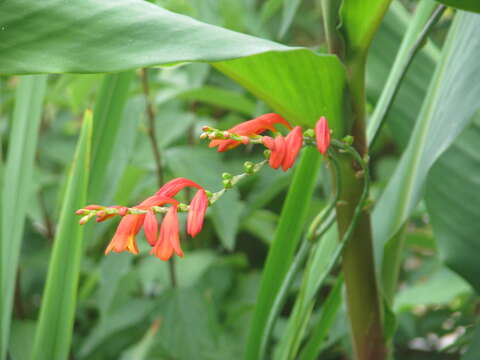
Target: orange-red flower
322, 134
168, 241
251, 128
196, 213
284, 150
125, 235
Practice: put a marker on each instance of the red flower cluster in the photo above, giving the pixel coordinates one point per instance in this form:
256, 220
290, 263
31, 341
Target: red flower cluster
167, 242
284, 150
251, 128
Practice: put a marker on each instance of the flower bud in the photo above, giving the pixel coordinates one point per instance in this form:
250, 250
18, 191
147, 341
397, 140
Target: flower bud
227, 176
249, 167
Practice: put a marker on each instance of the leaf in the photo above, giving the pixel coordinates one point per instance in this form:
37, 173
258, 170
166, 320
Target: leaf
50, 37
452, 199
223, 98
440, 288
55, 325
136, 33
176, 311
22, 339
469, 5
323, 324
16, 196
287, 235
299, 84
399, 67
106, 130
318, 267
360, 20
290, 8
408, 100
450, 103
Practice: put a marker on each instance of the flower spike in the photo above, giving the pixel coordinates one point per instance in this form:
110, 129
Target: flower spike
250, 128
322, 134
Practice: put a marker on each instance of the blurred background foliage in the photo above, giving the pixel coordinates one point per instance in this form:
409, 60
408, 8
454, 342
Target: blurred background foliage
126, 306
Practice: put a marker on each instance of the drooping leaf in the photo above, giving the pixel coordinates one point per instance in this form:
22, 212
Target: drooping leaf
450, 103
16, 191
452, 199
53, 335
122, 35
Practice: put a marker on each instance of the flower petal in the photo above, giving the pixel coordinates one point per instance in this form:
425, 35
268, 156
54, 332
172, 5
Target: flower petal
278, 154
322, 134
293, 143
196, 213
150, 227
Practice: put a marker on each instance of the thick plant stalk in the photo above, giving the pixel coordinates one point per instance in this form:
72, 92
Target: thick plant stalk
363, 298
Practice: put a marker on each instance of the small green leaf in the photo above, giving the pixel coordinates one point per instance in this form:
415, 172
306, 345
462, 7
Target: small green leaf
55, 325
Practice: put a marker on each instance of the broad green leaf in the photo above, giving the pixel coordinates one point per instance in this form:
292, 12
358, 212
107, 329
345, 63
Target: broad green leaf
452, 199
299, 84
469, 5
53, 335
223, 98
451, 101
284, 243
360, 20
136, 33
131, 34
16, 191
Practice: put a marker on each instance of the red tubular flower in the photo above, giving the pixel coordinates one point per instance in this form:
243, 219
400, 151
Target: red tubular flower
293, 144
322, 134
150, 227
196, 213
125, 236
284, 150
168, 241
250, 128
173, 187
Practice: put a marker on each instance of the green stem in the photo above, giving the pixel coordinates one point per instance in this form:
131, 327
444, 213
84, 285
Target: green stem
363, 298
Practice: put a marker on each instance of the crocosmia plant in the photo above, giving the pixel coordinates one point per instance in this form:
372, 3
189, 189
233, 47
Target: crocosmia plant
239, 179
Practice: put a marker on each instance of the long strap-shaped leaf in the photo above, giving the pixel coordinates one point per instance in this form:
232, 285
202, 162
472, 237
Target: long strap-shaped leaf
54, 330
451, 101
283, 246
16, 190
